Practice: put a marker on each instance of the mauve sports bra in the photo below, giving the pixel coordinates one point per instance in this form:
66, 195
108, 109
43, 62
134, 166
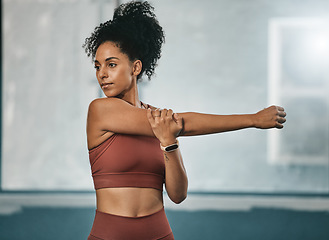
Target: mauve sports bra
128, 161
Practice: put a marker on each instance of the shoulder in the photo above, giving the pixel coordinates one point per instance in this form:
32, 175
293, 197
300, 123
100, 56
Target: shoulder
101, 107
117, 116
102, 112
106, 104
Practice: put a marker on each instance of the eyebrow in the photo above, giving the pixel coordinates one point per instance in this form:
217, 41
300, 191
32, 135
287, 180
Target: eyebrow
108, 59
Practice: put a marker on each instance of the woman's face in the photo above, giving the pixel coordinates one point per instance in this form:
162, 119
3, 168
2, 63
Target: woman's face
114, 71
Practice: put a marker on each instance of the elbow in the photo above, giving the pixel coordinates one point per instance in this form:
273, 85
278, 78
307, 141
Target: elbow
179, 198
177, 193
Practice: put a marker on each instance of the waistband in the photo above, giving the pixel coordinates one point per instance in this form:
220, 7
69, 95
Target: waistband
161, 211
109, 226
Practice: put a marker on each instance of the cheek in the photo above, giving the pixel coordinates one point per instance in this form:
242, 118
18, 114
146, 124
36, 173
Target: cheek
124, 75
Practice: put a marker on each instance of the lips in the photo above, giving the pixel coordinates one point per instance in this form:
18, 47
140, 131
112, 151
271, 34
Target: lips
106, 85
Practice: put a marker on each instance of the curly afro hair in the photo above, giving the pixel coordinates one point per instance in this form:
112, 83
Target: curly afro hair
135, 30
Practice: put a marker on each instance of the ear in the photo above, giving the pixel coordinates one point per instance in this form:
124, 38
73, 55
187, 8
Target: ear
137, 67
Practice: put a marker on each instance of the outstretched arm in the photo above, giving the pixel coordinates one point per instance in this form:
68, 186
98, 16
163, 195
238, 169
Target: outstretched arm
200, 124
117, 116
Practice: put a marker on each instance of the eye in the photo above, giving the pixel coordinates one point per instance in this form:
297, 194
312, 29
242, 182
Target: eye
112, 65
96, 67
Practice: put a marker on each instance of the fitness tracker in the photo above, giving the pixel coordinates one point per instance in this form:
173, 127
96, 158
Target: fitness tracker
170, 148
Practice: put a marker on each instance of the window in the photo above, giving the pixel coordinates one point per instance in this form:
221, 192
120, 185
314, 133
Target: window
299, 80
48, 83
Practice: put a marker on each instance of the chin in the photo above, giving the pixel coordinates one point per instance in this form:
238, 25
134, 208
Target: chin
112, 95
109, 94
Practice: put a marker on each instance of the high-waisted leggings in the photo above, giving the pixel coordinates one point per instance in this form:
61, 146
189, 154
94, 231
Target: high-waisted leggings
113, 227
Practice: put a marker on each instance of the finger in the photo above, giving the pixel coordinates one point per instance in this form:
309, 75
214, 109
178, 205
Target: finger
150, 116
179, 120
282, 114
281, 120
175, 117
164, 113
280, 108
170, 114
279, 126
157, 112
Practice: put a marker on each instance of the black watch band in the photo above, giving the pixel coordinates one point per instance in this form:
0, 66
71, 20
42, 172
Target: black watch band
170, 148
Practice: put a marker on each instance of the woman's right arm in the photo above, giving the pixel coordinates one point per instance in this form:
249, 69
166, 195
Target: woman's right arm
117, 116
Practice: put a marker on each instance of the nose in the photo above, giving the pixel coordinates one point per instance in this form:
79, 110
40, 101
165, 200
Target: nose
103, 73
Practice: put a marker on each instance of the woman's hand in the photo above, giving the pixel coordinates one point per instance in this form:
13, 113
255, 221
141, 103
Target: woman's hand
271, 117
165, 124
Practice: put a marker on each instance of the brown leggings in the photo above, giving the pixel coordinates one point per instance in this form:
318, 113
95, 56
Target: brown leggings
112, 227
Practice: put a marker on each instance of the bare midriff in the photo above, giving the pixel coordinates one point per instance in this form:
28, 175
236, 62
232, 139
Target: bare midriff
128, 201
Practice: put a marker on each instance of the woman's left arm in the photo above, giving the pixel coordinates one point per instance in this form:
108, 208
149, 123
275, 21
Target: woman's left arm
200, 124
166, 127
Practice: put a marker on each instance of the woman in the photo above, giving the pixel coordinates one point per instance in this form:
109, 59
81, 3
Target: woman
133, 146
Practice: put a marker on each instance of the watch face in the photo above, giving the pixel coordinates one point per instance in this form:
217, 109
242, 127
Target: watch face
171, 148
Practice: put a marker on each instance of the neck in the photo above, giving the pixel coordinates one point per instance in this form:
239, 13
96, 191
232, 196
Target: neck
131, 96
